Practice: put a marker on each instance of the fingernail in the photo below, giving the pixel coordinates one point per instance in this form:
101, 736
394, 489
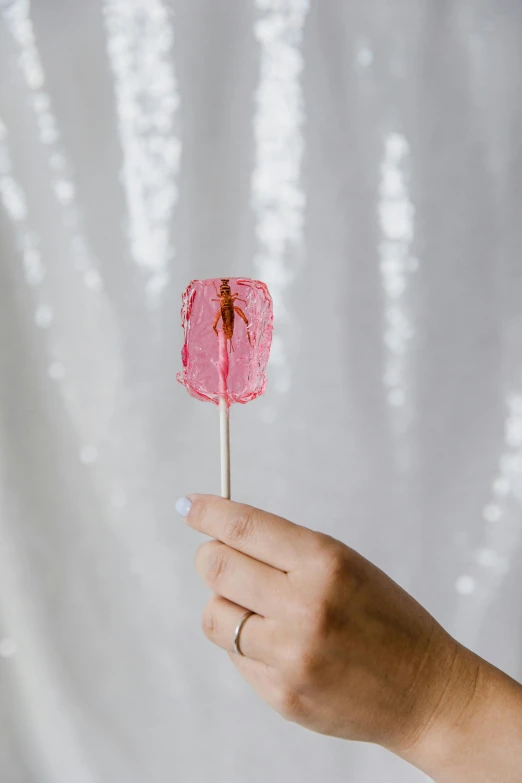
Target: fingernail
183, 506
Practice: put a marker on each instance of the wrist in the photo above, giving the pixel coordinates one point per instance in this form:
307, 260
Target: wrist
475, 732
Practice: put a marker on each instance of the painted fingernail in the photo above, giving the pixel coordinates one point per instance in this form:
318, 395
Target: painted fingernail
183, 506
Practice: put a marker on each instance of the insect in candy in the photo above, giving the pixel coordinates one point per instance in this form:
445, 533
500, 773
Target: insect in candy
202, 354
227, 310
209, 372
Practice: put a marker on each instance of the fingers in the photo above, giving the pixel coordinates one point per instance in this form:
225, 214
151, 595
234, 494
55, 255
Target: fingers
242, 579
256, 640
258, 643
263, 536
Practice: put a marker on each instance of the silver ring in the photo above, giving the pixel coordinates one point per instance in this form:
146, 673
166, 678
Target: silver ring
238, 631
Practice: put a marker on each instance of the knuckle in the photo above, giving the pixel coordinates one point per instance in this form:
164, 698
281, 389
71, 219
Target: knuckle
202, 555
209, 621
317, 616
309, 615
330, 560
288, 703
241, 527
218, 565
303, 663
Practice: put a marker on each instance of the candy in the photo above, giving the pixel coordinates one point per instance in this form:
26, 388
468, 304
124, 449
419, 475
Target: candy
228, 333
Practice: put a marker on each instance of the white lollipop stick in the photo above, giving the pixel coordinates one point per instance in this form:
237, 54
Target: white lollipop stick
224, 417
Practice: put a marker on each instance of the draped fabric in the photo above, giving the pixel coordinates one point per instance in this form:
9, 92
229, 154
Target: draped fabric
364, 159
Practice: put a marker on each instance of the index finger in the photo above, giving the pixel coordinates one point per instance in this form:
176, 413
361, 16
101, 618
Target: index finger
265, 537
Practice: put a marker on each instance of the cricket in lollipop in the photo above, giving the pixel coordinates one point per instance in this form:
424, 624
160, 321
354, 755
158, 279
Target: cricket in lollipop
224, 357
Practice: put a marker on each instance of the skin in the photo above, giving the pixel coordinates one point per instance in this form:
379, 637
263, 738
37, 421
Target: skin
338, 647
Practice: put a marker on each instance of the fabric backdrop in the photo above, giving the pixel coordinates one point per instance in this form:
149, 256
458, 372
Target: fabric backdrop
364, 159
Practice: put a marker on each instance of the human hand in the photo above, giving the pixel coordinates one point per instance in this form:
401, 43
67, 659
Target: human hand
334, 643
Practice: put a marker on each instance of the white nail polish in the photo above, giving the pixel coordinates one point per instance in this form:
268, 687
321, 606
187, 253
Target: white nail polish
183, 506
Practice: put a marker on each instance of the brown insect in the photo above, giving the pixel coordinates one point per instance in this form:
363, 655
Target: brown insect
227, 310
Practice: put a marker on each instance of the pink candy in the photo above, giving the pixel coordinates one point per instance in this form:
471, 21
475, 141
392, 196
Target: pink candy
228, 333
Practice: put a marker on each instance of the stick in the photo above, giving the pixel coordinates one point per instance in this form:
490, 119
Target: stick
224, 418
224, 426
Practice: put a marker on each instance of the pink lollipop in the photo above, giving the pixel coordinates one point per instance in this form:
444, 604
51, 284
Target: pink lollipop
228, 333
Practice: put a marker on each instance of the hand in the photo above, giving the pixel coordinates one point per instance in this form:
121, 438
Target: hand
334, 643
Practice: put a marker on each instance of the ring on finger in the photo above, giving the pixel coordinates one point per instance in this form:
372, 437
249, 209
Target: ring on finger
238, 630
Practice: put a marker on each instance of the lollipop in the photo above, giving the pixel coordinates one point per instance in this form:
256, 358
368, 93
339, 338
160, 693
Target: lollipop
228, 333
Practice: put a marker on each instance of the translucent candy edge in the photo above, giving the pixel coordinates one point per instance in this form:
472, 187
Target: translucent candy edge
186, 304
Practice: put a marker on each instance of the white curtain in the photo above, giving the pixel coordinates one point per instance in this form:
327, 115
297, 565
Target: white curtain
364, 159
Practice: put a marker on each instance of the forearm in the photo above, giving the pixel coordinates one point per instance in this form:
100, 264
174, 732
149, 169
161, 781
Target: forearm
479, 739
